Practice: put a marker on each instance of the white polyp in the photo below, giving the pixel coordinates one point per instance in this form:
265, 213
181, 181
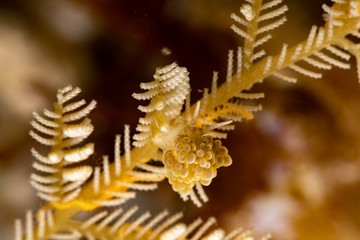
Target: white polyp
187, 107
42, 140
43, 129
272, 25
320, 37
117, 155
79, 154
152, 223
191, 228
194, 198
18, 230
106, 170
51, 114
233, 234
258, 55
239, 64
136, 223
317, 63
282, 55
127, 145
70, 196
220, 124
211, 221
310, 38
262, 40
122, 220
72, 186
204, 101
96, 181
332, 60
305, 72
165, 224
201, 192
214, 86
174, 232
93, 220
70, 142
141, 136
147, 109
41, 224
217, 234
69, 95
80, 173
79, 114
48, 123
229, 69
332, 12
148, 85
241, 33
275, 13
44, 188
330, 29
338, 52
55, 156
285, 77
43, 179
40, 157
108, 219
48, 197
142, 128
268, 64
72, 106
65, 89
29, 225
146, 95
247, 11
297, 52
70, 235
49, 218
239, 20
270, 4
44, 168
196, 113
78, 130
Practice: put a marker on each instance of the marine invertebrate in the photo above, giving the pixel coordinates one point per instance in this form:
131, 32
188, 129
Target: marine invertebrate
61, 183
190, 154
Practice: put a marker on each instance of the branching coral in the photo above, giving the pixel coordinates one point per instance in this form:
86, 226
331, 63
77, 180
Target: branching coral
182, 141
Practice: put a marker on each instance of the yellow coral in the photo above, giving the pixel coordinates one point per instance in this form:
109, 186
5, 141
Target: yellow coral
194, 158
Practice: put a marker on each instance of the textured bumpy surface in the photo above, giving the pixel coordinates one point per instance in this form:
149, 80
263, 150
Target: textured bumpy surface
191, 156
194, 159
167, 94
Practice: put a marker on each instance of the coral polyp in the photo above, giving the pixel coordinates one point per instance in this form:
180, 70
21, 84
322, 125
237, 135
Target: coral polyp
195, 157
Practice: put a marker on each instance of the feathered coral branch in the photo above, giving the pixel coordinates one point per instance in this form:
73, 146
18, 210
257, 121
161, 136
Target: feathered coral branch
116, 225
57, 181
324, 47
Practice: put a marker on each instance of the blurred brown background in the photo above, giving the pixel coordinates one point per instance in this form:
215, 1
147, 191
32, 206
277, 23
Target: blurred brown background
295, 169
